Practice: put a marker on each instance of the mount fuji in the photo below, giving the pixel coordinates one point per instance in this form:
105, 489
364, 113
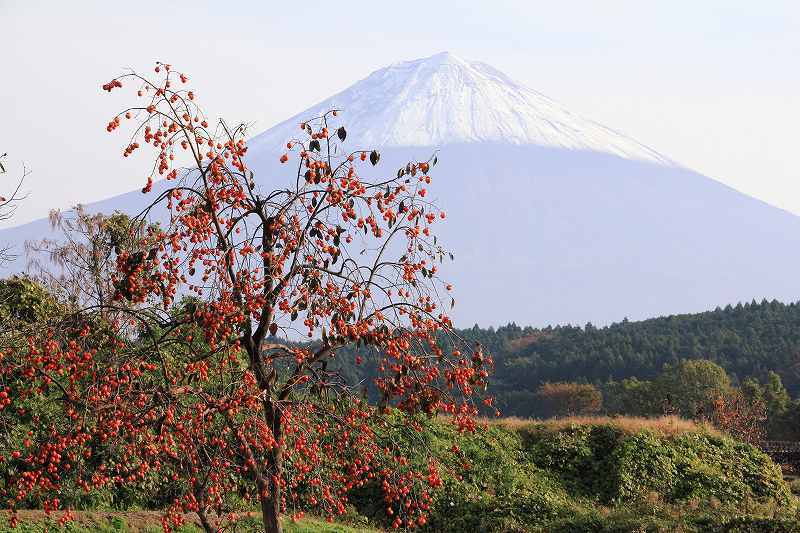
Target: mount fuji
552, 218
446, 100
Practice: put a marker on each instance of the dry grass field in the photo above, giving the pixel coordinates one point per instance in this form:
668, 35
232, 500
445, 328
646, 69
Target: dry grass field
666, 426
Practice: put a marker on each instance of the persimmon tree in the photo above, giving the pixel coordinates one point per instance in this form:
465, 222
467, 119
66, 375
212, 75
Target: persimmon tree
193, 372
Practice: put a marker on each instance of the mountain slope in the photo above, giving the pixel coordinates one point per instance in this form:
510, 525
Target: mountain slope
545, 236
551, 217
445, 100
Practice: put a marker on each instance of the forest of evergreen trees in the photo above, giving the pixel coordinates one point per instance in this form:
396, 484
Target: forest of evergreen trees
747, 340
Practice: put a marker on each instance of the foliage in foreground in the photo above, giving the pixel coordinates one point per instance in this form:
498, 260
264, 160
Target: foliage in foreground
520, 476
539, 477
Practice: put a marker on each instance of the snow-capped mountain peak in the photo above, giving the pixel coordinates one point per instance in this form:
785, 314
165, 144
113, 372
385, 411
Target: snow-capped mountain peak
444, 99
592, 226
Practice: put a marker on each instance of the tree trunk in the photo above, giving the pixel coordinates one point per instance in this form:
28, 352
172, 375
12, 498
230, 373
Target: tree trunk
271, 511
269, 488
271, 502
204, 521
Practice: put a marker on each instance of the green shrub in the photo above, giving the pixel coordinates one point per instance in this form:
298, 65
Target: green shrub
642, 463
579, 455
533, 478
612, 466
750, 524
573, 478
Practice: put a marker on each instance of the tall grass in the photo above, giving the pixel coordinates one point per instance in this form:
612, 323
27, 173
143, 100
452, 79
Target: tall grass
667, 426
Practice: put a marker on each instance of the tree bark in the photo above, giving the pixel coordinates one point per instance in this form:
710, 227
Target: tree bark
271, 503
269, 488
271, 511
204, 521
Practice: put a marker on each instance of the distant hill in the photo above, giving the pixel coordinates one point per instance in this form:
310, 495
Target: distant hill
747, 340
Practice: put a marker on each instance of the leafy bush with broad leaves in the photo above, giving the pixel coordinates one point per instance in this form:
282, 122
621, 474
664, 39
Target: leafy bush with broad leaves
24, 300
613, 466
531, 477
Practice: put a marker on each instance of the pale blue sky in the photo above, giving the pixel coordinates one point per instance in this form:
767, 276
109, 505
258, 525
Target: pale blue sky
712, 84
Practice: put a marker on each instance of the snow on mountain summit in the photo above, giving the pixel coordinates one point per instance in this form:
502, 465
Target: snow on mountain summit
444, 99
